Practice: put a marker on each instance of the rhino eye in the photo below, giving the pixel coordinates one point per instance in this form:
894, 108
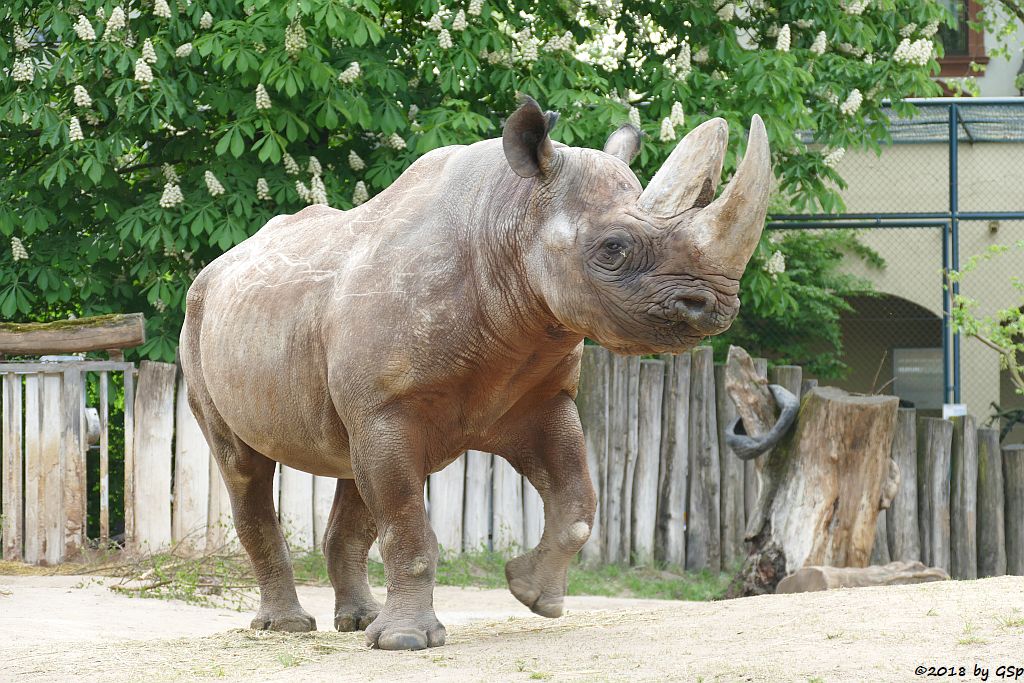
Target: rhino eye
613, 252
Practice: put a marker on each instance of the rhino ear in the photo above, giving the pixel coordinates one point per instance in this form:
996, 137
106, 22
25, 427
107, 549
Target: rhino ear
525, 140
623, 143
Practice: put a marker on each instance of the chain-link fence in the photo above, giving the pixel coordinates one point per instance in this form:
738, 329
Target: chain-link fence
949, 186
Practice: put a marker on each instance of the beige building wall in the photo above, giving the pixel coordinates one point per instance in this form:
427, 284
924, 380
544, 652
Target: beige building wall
914, 177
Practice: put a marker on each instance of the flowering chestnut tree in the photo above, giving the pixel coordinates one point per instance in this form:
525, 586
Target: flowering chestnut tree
143, 138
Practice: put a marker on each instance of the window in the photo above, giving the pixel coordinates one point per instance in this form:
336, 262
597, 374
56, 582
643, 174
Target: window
962, 44
918, 377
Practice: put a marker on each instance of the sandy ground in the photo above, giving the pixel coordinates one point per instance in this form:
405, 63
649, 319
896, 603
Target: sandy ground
73, 628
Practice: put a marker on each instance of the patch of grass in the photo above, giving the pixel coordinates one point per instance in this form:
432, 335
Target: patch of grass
1013, 620
540, 676
287, 659
833, 636
970, 637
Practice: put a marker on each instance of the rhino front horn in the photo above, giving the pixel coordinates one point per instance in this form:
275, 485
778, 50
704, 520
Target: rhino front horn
726, 231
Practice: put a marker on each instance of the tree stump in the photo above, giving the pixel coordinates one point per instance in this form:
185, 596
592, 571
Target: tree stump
991, 524
830, 476
811, 579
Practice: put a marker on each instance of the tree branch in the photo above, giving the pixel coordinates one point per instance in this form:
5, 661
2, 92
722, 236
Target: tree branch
1014, 7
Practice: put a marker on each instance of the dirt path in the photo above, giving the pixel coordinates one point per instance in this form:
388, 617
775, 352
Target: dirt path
56, 628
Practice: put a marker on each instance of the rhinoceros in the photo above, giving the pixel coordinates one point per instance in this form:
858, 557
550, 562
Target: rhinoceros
376, 345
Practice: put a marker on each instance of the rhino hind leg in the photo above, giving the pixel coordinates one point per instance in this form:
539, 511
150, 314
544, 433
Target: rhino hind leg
556, 464
350, 532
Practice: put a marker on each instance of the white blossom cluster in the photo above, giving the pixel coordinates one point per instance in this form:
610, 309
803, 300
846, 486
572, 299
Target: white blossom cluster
84, 29
681, 66
75, 130
833, 158
668, 131
303, 192
160, 305
172, 195
820, 43
360, 194
775, 264
148, 53
206, 23
350, 74
143, 74
832, 98
459, 23
161, 9
116, 22
908, 30
24, 70
355, 162
317, 191
529, 47
82, 98
917, 52
804, 23
413, 111
294, 38
92, 118
170, 175
444, 39
184, 50
259, 47
854, 7
290, 167
782, 42
930, 29
395, 141
475, 7
212, 184
727, 11
262, 190
18, 251
435, 23
677, 116
129, 39
701, 55
562, 43
314, 167
634, 117
852, 103
20, 41
262, 97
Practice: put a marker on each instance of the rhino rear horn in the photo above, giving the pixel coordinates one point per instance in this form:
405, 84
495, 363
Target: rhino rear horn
525, 140
623, 143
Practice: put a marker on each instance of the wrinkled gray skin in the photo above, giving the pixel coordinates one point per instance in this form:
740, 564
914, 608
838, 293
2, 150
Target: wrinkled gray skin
375, 345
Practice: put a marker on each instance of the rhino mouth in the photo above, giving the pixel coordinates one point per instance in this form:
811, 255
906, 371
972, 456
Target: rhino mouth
676, 338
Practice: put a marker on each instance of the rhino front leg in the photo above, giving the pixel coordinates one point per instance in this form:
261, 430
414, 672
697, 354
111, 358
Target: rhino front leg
388, 463
550, 451
351, 531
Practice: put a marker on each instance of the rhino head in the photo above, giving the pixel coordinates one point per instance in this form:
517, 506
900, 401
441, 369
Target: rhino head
639, 270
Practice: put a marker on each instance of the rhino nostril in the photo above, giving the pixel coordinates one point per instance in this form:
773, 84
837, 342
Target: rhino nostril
689, 305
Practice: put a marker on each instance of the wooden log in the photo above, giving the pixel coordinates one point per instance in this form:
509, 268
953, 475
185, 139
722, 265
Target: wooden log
991, 520
834, 468
733, 516
296, 511
33, 529
963, 510
618, 421
445, 511
508, 507
324, 489
51, 471
632, 448
592, 402
810, 579
73, 462
154, 429
97, 333
902, 527
476, 519
1013, 482
191, 477
751, 476
670, 534
645, 476
104, 415
533, 515
935, 440
806, 386
11, 485
703, 539
790, 377
880, 549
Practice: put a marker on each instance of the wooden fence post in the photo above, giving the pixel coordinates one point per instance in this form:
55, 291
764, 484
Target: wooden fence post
154, 428
991, 519
51, 470
703, 540
446, 490
645, 476
880, 550
476, 521
1013, 481
935, 438
296, 511
12, 458
508, 507
191, 475
33, 541
963, 512
670, 535
324, 489
632, 446
790, 377
618, 425
73, 462
902, 526
592, 402
751, 482
733, 516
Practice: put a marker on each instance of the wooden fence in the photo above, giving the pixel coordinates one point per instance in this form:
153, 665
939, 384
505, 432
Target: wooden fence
669, 489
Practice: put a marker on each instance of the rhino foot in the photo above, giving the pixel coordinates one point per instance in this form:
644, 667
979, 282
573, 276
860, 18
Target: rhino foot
355, 617
543, 598
298, 621
405, 634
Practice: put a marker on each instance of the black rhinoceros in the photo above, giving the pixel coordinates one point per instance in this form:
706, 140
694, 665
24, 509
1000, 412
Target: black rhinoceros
448, 313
